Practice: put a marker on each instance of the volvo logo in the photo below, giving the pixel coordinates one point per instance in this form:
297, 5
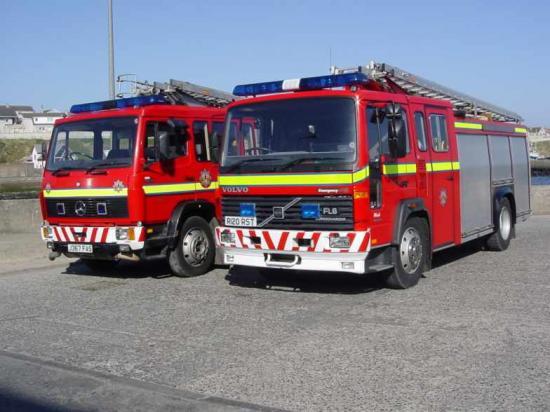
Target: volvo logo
235, 189
80, 208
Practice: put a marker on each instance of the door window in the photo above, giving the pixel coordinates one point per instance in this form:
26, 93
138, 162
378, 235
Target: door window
438, 130
202, 141
177, 141
420, 131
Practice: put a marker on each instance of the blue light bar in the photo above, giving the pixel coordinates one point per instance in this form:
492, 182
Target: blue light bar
310, 211
306, 83
118, 104
248, 209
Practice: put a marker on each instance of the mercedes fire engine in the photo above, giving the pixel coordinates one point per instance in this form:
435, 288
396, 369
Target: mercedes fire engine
136, 178
370, 169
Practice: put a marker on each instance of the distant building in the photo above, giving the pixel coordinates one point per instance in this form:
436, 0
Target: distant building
538, 134
10, 115
40, 122
36, 156
22, 122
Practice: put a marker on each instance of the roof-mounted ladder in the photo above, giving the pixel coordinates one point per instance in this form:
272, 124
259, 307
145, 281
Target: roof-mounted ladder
416, 85
180, 92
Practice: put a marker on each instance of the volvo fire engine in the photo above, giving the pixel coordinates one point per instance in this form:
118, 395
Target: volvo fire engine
136, 178
369, 169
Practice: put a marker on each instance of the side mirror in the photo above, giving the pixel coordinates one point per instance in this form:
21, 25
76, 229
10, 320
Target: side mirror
215, 147
397, 131
164, 149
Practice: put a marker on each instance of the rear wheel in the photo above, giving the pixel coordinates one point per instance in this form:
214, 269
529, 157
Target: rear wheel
195, 252
410, 256
500, 239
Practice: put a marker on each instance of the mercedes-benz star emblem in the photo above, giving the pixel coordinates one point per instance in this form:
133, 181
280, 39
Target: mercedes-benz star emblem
80, 208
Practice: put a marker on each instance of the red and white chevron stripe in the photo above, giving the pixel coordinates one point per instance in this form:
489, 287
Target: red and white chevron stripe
286, 240
97, 234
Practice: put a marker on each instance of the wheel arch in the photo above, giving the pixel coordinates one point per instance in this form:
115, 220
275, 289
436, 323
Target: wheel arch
408, 208
504, 192
184, 210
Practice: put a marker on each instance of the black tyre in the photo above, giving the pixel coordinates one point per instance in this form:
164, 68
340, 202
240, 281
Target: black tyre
194, 255
100, 265
504, 225
411, 255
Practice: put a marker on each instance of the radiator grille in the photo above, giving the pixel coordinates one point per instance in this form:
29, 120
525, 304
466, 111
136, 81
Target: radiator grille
341, 220
96, 207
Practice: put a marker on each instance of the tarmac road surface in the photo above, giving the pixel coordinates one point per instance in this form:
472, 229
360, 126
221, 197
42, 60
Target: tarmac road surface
473, 335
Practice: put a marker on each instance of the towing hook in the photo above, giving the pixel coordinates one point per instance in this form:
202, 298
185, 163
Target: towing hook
54, 255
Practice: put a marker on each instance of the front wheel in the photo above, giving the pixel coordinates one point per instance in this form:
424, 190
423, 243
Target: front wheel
195, 252
500, 239
410, 256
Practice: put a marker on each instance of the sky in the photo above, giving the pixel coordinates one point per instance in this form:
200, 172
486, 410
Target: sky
55, 52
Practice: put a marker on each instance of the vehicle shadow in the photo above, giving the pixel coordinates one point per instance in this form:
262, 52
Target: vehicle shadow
303, 281
332, 282
123, 270
453, 254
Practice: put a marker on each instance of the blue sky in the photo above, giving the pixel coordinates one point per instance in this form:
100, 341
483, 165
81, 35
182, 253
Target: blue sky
54, 53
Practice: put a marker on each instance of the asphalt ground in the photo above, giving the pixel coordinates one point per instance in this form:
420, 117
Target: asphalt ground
474, 334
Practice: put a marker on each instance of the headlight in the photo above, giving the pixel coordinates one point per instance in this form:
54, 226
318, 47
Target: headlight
227, 237
339, 242
47, 232
121, 233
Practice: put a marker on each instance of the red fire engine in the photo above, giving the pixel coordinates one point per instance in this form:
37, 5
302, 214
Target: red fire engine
374, 176
136, 178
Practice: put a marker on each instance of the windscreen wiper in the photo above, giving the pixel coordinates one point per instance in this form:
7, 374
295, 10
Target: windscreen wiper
254, 159
299, 160
104, 164
62, 169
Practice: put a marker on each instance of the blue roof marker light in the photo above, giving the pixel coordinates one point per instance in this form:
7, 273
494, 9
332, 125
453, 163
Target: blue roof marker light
118, 104
305, 83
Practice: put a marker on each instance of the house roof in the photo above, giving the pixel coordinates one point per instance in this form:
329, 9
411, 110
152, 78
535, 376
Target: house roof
43, 114
8, 110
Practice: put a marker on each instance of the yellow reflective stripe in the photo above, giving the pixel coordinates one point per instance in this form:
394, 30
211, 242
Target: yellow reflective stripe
442, 166
520, 130
399, 168
462, 125
295, 179
273, 180
177, 188
104, 192
360, 175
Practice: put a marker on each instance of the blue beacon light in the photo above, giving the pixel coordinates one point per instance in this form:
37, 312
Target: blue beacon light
118, 104
306, 83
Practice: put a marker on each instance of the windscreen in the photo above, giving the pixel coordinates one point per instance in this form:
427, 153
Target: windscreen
93, 143
308, 134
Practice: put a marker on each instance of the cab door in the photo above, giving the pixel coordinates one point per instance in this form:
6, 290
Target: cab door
166, 182
422, 155
441, 149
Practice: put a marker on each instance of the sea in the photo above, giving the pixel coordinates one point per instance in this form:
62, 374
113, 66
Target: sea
540, 180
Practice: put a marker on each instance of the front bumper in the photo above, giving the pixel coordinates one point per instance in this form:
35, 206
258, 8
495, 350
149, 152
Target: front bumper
105, 240
291, 249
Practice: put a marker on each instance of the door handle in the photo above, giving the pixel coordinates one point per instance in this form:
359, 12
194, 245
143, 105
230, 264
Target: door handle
450, 178
148, 178
189, 178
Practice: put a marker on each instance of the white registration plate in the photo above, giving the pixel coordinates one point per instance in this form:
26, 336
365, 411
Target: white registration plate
75, 248
240, 221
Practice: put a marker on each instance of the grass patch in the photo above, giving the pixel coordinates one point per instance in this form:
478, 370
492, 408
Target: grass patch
13, 150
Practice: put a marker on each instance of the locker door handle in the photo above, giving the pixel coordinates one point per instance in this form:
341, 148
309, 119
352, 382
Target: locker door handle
450, 178
189, 178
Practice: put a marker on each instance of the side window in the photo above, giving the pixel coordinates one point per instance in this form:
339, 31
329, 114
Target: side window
202, 140
177, 140
218, 128
420, 131
438, 130
378, 131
